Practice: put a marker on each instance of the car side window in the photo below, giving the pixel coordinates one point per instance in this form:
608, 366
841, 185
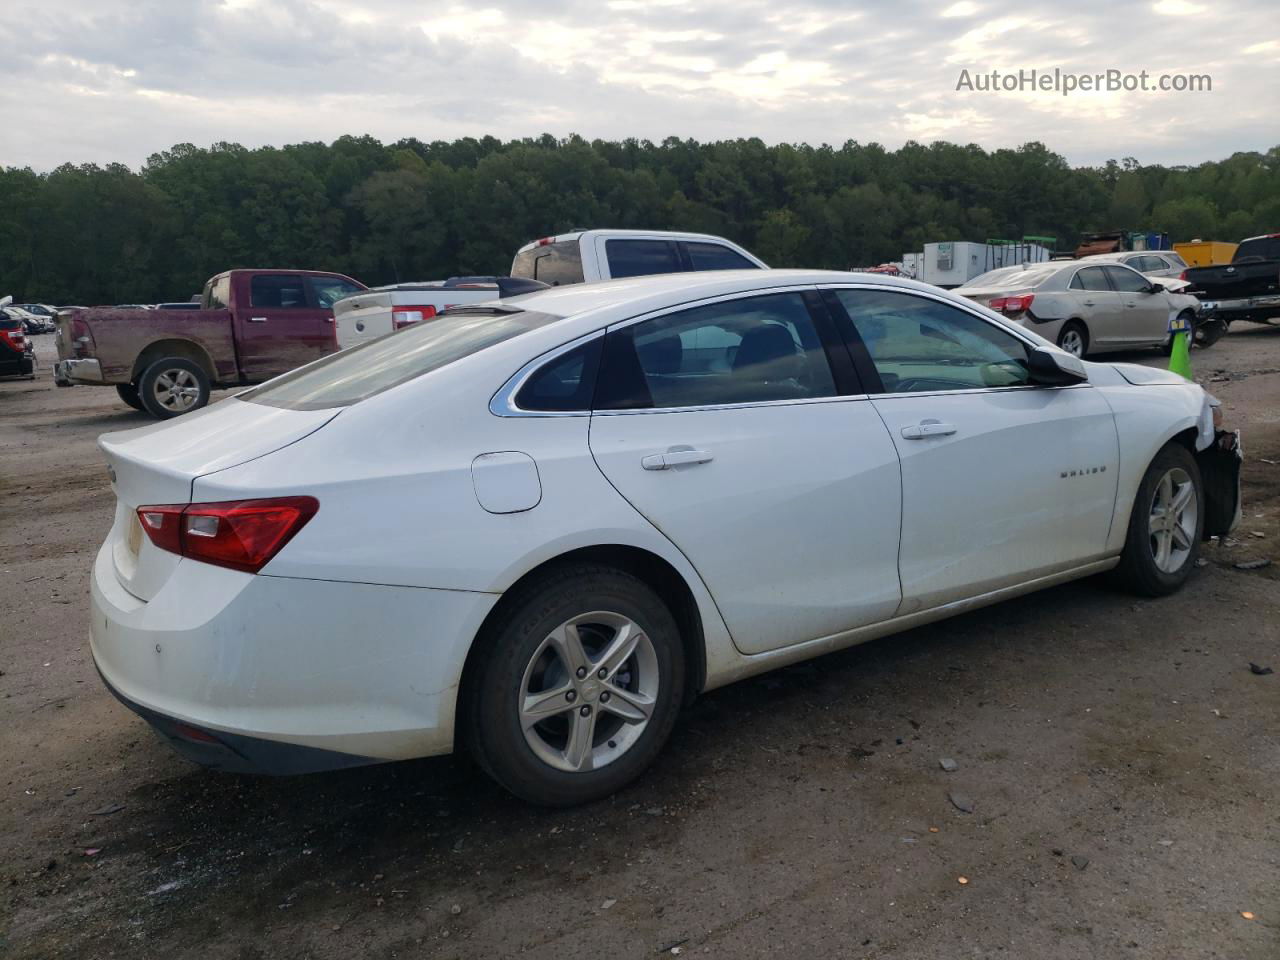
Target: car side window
277, 290
640, 258
565, 383
716, 256
750, 350
1126, 280
921, 345
329, 290
1090, 278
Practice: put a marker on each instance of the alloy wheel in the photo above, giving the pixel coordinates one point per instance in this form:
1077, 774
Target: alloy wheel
1073, 343
176, 389
589, 691
1173, 520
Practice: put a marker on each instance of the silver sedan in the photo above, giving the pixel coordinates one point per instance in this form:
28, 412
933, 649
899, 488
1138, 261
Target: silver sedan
1085, 307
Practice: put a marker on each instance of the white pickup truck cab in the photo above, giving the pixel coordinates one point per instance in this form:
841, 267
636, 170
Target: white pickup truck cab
587, 256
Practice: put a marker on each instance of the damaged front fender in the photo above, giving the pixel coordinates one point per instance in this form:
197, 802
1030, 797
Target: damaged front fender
1220, 464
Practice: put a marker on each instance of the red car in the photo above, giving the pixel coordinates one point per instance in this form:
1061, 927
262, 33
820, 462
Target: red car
252, 325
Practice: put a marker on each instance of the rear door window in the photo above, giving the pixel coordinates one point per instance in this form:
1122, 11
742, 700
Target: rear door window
751, 350
640, 258
1090, 278
716, 256
281, 291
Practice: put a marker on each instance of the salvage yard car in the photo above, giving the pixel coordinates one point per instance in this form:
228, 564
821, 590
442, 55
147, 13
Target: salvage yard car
1088, 307
16, 358
535, 528
252, 325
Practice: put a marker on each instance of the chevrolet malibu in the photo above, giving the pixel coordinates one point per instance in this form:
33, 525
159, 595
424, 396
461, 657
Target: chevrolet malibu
535, 528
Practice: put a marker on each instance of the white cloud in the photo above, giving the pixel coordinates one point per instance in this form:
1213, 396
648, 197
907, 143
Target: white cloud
116, 80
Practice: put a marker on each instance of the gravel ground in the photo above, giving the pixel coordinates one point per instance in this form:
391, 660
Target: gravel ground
1120, 758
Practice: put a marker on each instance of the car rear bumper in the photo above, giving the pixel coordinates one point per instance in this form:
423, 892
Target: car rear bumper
281, 675
1241, 305
14, 364
67, 373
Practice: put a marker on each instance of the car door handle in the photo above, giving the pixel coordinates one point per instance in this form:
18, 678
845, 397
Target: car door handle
257, 319
1089, 303
928, 428
675, 458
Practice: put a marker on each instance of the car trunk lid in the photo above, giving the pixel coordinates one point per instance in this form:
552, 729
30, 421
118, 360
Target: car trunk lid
158, 464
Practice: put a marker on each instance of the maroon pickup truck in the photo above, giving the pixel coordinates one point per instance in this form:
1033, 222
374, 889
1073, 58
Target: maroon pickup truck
251, 326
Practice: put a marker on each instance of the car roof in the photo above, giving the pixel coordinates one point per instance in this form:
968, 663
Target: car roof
645, 294
612, 232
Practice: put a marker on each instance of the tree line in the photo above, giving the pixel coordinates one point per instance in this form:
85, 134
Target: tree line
385, 213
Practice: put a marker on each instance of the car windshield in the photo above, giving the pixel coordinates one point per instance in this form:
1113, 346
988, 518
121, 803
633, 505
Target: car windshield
370, 368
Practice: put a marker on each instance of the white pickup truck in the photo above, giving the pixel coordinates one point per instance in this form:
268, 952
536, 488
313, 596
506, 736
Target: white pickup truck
584, 256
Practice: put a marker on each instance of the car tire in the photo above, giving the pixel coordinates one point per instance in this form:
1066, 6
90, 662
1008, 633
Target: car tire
1160, 550
582, 749
128, 392
173, 386
1074, 338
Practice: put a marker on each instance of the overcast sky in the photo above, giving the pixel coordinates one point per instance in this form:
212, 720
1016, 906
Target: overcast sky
117, 80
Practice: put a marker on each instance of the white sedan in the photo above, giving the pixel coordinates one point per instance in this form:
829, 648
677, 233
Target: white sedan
536, 528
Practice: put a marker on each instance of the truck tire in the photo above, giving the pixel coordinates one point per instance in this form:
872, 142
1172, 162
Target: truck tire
173, 386
1208, 332
128, 392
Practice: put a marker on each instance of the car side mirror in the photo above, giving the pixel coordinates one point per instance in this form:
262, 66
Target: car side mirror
1054, 368
1155, 288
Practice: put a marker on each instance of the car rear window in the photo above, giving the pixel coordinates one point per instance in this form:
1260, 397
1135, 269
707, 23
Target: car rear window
9, 323
553, 263
361, 372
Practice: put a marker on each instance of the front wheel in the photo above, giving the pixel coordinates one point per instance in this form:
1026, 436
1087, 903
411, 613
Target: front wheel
579, 686
1165, 525
173, 386
1074, 339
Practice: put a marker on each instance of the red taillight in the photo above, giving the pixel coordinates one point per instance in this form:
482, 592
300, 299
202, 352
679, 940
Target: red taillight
405, 316
1182, 275
997, 303
15, 338
546, 241
240, 534
1018, 304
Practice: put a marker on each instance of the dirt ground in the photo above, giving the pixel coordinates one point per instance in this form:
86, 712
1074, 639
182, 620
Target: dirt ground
1121, 758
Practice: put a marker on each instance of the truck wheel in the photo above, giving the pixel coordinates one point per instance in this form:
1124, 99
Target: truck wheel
173, 386
128, 392
1208, 332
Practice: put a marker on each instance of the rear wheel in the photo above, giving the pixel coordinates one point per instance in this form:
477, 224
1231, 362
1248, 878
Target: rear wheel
1165, 525
128, 392
1074, 338
578, 687
173, 386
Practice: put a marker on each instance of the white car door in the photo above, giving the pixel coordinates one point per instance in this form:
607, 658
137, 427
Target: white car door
1002, 481
1144, 315
727, 426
